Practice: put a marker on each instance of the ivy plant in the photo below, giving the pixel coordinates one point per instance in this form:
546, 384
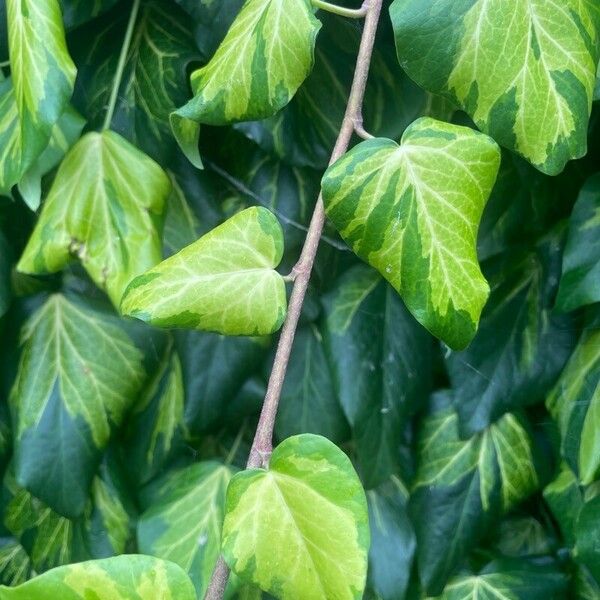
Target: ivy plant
299, 299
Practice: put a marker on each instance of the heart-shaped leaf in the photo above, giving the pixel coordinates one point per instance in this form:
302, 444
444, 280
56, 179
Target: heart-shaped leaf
105, 207
265, 56
412, 212
126, 577
525, 73
299, 529
223, 282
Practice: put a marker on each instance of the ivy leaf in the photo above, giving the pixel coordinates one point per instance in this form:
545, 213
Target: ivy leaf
300, 528
380, 360
309, 403
224, 282
79, 372
575, 405
154, 79
580, 281
106, 182
521, 346
15, 566
42, 74
265, 56
52, 540
64, 134
128, 577
155, 430
587, 536
227, 363
304, 132
509, 580
417, 225
183, 518
393, 541
537, 99
462, 486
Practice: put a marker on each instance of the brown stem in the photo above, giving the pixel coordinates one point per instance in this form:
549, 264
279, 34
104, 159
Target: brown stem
262, 445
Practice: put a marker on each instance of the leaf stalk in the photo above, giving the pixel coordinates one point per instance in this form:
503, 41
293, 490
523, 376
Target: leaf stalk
262, 446
114, 93
351, 13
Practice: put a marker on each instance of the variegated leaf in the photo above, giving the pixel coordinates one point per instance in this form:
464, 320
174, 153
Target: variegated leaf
79, 373
482, 476
105, 207
183, 518
412, 211
42, 75
265, 56
127, 577
525, 74
299, 529
224, 282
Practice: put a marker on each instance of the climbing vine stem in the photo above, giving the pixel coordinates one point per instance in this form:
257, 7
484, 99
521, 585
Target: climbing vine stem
262, 445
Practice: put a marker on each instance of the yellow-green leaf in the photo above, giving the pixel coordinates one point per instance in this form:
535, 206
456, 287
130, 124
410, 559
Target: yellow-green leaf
224, 282
299, 529
266, 55
525, 70
105, 208
412, 211
42, 74
126, 577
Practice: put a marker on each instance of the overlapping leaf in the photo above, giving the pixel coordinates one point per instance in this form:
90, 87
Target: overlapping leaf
304, 132
462, 486
587, 534
309, 511
522, 344
580, 281
127, 577
417, 224
105, 207
380, 361
224, 282
265, 56
183, 518
42, 74
154, 79
181, 223
5, 269
15, 565
526, 76
79, 373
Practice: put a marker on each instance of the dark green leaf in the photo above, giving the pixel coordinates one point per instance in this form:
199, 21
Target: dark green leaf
587, 537
380, 359
226, 363
76, 12
15, 566
521, 346
309, 403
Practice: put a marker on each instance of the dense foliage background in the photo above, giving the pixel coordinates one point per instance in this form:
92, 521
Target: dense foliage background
484, 461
